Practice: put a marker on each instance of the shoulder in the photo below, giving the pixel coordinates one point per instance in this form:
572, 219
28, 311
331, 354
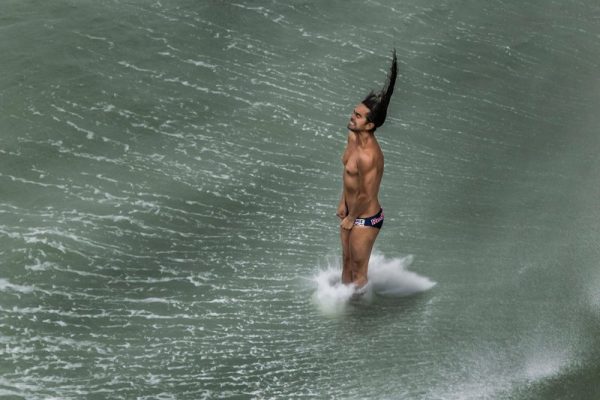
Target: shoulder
367, 159
371, 156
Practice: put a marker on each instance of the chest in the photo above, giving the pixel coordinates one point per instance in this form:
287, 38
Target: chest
350, 159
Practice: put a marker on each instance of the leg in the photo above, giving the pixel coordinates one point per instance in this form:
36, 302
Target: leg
346, 266
361, 243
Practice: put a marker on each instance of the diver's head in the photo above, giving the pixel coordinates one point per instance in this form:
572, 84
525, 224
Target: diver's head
359, 121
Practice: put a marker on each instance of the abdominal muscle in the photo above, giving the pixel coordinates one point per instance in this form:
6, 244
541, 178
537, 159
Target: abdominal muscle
351, 193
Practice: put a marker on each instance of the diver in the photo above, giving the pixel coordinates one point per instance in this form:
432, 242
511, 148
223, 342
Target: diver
359, 209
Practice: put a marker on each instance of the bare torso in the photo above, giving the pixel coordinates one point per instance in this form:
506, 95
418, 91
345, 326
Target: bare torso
362, 189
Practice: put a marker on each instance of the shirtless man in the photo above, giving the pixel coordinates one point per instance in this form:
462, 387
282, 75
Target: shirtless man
359, 209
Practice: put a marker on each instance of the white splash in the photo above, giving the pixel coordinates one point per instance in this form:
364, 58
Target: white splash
545, 364
391, 277
331, 295
387, 277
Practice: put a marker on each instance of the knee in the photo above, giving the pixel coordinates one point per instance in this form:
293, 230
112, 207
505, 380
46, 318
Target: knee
357, 263
346, 257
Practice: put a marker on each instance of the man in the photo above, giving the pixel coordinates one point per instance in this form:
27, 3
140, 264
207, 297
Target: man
359, 209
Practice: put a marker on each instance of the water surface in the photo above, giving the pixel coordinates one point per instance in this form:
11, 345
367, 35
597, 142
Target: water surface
170, 173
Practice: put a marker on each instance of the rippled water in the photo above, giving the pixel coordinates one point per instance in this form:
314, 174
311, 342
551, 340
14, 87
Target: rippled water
169, 177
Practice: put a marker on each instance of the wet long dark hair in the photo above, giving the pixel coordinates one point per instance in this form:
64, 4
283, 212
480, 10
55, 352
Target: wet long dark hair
378, 103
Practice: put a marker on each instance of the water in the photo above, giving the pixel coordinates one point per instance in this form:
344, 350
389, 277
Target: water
169, 177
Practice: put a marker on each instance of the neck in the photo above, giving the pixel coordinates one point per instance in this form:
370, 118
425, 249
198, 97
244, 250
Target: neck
364, 136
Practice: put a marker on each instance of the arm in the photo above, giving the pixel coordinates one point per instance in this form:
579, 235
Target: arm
342, 210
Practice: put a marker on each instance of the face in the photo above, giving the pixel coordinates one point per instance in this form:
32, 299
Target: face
358, 119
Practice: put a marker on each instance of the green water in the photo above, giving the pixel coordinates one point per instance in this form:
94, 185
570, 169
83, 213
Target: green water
170, 170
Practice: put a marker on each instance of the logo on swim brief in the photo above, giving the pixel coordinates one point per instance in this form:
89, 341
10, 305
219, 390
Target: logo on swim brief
359, 222
377, 220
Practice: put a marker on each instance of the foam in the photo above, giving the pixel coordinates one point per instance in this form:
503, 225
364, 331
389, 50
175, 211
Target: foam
5, 285
387, 277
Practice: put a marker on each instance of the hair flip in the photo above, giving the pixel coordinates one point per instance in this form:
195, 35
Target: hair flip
378, 103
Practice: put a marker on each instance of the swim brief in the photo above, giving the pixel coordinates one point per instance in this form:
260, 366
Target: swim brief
376, 221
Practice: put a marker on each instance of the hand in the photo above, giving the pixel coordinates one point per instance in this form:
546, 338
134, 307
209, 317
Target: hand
347, 223
342, 211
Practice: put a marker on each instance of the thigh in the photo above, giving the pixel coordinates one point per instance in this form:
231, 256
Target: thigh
346, 261
361, 243
345, 239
